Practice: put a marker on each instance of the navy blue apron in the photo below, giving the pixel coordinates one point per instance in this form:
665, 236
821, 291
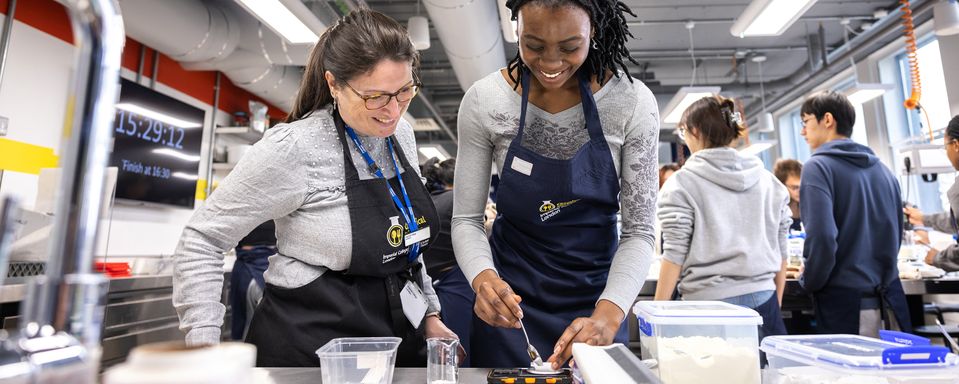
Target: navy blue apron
290, 324
553, 240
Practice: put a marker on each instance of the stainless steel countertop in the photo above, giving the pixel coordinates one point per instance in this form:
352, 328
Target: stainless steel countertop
10, 293
400, 375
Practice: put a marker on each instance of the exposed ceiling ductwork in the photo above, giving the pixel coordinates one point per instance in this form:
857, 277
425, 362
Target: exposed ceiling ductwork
470, 33
216, 35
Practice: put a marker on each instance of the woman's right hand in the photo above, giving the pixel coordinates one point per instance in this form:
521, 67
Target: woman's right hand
496, 304
914, 214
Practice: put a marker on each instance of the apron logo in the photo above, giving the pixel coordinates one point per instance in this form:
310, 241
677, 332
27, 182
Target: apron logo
548, 209
394, 235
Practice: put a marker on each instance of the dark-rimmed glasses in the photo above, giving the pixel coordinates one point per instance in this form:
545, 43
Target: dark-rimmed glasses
381, 99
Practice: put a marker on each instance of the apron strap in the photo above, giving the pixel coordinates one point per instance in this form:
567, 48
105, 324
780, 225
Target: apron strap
348, 166
394, 285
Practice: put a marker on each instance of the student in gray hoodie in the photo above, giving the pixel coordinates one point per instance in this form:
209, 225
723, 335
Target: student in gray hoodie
724, 219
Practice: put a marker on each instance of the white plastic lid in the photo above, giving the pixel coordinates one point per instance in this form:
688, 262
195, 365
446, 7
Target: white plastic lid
695, 312
844, 352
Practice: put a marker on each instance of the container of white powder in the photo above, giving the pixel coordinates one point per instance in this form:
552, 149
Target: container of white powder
698, 342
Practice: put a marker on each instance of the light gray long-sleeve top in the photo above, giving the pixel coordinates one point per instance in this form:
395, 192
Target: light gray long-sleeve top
725, 219
294, 176
487, 123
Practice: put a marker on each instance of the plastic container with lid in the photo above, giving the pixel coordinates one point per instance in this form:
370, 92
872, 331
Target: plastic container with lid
814, 359
700, 341
358, 360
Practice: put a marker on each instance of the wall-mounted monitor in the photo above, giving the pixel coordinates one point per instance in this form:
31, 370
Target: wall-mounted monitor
156, 147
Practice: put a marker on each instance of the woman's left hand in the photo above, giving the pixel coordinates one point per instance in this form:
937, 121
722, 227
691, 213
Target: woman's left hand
434, 327
598, 329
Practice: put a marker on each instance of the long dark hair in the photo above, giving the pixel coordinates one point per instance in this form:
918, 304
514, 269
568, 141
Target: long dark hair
715, 119
438, 174
351, 47
607, 49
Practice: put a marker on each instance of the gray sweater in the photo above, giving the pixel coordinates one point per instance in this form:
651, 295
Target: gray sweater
294, 176
947, 259
487, 123
725, 220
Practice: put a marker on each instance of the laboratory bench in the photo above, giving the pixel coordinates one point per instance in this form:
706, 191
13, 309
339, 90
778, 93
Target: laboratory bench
139, 311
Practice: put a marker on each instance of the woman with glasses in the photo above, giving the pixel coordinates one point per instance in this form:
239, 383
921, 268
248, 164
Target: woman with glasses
789, 172
341, 182
724, 219
947, 258
574, 139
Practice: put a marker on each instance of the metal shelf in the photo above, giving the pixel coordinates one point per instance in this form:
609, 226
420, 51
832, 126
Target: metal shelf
244, 133
223, 166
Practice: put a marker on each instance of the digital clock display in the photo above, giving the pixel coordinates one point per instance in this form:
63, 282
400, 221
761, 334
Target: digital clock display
156, 147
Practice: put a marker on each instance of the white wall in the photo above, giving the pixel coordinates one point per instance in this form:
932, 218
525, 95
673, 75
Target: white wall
33, 95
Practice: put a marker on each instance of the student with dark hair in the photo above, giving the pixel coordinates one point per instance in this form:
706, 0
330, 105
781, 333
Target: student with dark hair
574, 139
724, 219
665, 172
851, 208
789, 172
948, 258
345, 248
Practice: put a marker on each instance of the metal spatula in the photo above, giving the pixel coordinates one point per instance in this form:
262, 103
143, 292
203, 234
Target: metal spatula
533, 353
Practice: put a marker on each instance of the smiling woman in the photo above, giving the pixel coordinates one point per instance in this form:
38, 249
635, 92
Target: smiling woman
342, 260
574, 139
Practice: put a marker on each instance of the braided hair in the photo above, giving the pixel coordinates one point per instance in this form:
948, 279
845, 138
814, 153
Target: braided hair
607, 50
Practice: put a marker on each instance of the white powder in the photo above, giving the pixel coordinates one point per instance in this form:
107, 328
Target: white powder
699, 359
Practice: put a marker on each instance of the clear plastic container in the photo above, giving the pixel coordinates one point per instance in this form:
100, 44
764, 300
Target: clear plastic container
697, 342
358, 360
815, 359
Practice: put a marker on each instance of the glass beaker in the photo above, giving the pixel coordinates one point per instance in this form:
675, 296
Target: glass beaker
441, 361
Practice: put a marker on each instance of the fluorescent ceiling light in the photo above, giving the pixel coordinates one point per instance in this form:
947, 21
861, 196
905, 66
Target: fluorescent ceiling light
288, 18
163, 118
769, 17
683, 99
185, 176
757, 147
176, 154
431, 151
861, 93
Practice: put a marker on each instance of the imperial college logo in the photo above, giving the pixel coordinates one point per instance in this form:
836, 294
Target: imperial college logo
395, 233
546, 207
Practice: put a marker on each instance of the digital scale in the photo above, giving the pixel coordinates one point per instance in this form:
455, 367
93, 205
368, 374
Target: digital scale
524, 376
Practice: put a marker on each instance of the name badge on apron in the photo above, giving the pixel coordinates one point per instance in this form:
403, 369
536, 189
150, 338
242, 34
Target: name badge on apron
522, 166
414, 303
418, 236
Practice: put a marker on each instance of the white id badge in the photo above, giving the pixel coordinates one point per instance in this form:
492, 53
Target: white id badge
414, 303
522, 166
418, 236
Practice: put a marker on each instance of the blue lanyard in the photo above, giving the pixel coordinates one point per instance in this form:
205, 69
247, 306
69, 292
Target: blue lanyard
405, 209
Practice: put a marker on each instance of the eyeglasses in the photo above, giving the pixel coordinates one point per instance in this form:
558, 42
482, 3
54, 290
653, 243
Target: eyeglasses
381, 99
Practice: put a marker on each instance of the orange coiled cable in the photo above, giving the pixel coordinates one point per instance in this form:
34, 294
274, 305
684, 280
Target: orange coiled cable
912, 47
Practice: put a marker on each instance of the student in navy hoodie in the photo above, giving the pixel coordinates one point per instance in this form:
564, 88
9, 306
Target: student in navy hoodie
852, 213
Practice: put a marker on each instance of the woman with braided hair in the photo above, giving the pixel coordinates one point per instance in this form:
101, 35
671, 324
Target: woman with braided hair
574, 139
